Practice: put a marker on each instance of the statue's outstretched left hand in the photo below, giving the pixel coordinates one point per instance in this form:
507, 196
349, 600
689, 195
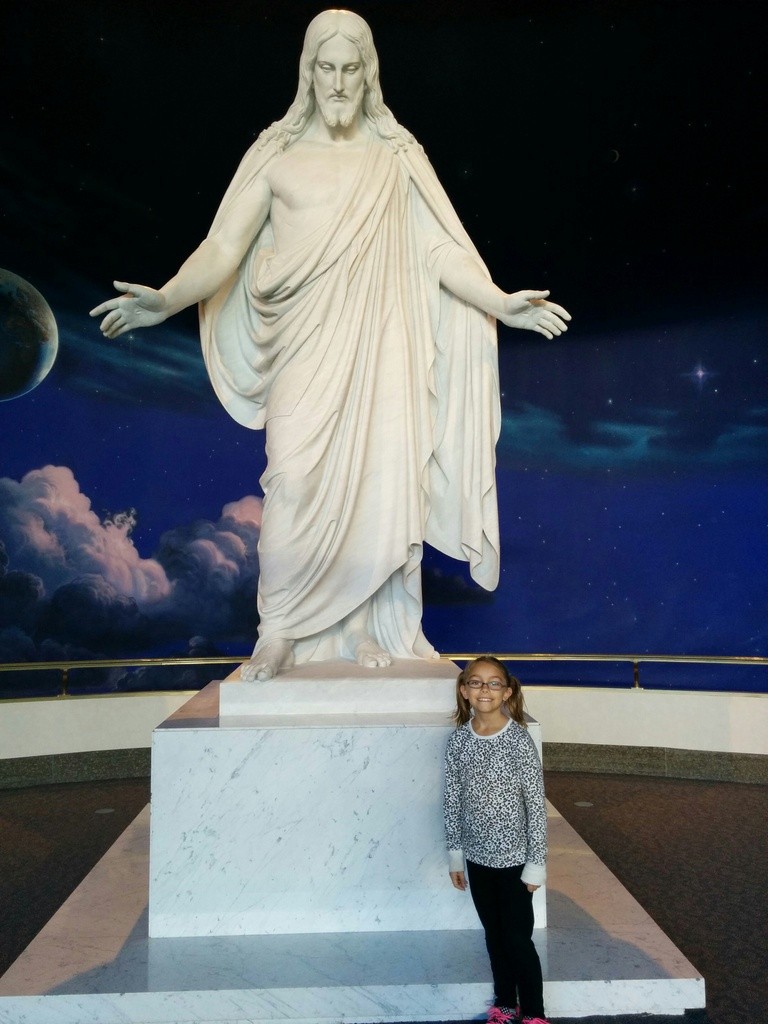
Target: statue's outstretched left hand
530, 311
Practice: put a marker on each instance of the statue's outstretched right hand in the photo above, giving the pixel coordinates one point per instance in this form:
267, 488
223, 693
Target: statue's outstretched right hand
138, 306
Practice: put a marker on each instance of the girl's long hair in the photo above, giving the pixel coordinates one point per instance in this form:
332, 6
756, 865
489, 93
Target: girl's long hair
514, 704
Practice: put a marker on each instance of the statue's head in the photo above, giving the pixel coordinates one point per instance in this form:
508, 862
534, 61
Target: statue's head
350, 27
324, 28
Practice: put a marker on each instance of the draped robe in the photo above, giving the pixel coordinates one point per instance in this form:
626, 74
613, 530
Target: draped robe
379, 393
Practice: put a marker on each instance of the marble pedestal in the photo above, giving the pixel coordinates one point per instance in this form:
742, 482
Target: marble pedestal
309, 805
95, 962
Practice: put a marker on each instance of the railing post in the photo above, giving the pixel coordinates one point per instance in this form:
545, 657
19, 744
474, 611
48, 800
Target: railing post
636, 675
65, 682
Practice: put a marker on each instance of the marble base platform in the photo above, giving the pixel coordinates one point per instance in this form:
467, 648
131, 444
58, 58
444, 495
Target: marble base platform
321, 687
325, 821
94, 963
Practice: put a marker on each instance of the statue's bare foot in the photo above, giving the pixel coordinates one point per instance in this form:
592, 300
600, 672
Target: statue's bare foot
267, 660
370, 655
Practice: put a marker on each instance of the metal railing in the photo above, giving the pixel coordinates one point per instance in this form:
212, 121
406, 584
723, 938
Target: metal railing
635, 660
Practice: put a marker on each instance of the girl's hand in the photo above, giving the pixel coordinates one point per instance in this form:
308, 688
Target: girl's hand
531, 888
458, 880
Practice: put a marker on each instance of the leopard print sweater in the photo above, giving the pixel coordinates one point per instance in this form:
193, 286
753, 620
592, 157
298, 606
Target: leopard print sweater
493, 804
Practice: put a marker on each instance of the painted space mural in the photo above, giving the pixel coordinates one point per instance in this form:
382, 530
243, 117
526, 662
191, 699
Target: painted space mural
633, 459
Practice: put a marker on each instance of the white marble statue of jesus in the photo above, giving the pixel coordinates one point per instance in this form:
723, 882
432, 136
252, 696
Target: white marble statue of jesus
344, 309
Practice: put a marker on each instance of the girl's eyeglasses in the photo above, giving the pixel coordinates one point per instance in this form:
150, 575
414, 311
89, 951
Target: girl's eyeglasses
492, 684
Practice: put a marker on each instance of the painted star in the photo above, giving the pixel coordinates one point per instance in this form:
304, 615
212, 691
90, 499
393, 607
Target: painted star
699, 375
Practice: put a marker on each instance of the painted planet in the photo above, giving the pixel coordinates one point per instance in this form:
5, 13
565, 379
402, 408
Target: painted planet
29, 337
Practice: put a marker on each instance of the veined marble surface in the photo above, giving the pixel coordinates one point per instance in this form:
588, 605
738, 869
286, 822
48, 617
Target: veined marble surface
94, 964
301, 823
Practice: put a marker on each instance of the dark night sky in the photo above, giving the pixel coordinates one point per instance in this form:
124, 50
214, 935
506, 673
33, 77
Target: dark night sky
610, 151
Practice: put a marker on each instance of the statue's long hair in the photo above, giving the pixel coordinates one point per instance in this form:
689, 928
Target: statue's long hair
514, 704
322, 28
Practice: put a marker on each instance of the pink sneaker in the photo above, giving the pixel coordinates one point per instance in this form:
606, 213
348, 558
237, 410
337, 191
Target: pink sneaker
501, 1015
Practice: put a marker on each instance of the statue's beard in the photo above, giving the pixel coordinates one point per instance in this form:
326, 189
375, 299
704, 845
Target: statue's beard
335, 114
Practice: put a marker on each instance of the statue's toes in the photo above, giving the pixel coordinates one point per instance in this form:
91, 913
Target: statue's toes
370, 655
254, 670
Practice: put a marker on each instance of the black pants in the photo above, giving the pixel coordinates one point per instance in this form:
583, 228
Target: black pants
505, 909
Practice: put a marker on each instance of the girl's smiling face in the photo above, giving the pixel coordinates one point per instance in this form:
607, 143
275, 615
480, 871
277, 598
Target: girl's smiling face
485, 688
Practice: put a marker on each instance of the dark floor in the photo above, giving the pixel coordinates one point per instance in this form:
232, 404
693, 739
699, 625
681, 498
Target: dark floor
694, 854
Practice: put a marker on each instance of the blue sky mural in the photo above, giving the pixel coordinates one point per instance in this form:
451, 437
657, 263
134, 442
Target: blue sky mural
608, 151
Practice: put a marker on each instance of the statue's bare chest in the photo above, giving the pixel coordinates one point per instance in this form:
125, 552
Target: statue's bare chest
310, 177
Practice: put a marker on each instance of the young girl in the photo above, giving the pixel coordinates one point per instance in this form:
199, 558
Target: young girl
495, 817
